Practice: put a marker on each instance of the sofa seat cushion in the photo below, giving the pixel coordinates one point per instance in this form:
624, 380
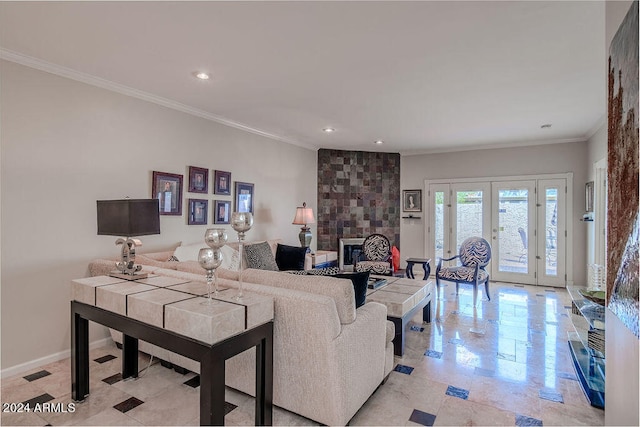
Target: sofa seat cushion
290, 257
259, 256
376, 267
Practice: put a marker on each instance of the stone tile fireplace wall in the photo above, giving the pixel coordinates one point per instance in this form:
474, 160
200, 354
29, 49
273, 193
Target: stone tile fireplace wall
358, 195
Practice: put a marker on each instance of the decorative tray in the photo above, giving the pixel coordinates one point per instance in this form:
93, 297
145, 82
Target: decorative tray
594, 296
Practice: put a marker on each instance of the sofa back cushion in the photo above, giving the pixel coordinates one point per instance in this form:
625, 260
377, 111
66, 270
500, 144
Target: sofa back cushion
340, 290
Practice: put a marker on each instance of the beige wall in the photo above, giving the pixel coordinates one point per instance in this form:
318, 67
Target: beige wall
622, 395
67, 144
540, 159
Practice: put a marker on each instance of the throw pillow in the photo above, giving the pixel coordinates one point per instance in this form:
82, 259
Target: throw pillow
189, 252
230, 258
327, 271
395, 257
259, 256
290, 257
360, 282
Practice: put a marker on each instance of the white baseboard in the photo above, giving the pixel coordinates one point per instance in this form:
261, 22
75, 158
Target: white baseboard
28, 366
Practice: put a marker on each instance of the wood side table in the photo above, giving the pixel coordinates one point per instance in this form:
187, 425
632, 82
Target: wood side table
425, 265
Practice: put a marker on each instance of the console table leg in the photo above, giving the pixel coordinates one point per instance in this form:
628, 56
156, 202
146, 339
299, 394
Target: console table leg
129, 357
426, 313
79, 356
398, 340
212, 378
264, 380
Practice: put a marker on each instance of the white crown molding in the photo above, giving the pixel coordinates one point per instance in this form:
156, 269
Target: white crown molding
602, 121
491, 146
89, 79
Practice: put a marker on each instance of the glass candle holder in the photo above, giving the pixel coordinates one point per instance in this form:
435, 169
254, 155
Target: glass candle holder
210, 259
241, 222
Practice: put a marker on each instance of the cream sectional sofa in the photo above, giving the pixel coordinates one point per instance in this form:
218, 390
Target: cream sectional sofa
329, 357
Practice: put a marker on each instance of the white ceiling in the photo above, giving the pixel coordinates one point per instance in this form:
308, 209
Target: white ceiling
421, 76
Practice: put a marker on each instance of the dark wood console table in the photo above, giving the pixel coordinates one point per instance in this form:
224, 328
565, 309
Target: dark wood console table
211, 357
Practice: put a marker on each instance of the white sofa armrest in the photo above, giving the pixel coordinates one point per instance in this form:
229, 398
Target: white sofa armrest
360, 355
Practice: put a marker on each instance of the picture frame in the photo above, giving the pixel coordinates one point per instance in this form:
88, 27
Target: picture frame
221, 211
167, 187
243, 197
588, 197
412, 200
222, 182
198, 210
198, 180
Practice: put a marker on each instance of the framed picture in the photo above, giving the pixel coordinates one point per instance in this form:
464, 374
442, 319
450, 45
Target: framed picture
244, 197
588, 197
221, 212
222, 182
198, 211
198, 180
168, 188
412, 200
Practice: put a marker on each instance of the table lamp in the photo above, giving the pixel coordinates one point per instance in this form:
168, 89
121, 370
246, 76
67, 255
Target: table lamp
304, 216
128, 218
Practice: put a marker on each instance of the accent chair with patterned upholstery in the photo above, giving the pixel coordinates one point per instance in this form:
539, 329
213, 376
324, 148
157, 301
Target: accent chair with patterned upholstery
475, 254
376, 251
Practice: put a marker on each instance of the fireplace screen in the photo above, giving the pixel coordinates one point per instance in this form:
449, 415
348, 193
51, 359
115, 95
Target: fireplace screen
349, 252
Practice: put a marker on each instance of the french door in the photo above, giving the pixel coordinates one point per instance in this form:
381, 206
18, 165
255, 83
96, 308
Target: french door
460, 211
524, 220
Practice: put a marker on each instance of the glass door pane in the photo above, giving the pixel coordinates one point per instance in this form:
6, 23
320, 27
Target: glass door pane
468, 215
439, 228
551, 234
472, 215
551, 226
513, 240
439, 224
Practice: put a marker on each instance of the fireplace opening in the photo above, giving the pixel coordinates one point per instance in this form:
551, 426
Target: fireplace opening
349, 252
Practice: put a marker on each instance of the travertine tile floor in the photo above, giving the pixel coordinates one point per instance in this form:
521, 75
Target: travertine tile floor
499, 362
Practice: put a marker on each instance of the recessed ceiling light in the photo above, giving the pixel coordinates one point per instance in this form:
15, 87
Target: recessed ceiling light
202, 75
378, 142
328, 130
545, 126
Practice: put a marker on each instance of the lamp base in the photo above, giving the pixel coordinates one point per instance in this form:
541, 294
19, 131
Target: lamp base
126, 268
305, 237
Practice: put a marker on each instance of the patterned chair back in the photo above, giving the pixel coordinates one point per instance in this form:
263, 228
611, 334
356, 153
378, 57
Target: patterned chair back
475, 250
376, 247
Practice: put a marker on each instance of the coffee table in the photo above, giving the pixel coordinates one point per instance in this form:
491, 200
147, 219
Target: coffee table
403, 298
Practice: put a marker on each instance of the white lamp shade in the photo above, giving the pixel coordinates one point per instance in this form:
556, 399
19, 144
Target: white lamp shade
304, 215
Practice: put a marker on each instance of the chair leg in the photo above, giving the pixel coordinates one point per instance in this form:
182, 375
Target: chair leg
486, 288
457, 286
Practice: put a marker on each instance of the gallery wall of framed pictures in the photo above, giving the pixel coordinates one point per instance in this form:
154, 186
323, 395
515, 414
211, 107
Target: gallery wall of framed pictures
168, 188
